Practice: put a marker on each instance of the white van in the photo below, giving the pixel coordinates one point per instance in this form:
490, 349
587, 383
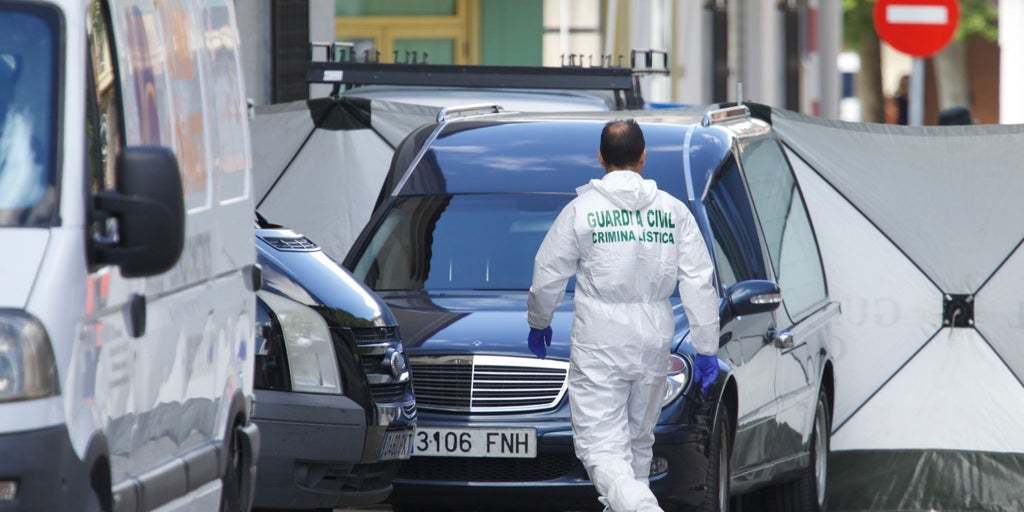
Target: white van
127, 268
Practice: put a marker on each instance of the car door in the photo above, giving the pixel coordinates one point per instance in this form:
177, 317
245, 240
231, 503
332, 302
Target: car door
801, 322
739, 257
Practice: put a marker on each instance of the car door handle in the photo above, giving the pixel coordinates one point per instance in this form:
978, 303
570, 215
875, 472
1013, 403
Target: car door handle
783, 340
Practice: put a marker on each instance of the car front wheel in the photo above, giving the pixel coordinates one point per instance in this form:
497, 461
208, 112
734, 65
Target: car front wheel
716, 489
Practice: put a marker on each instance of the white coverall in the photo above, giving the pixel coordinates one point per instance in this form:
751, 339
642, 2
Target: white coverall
628, 244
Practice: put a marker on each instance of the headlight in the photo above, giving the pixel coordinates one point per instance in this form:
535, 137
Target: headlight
678, 378
271, 360
27, 368
307, 340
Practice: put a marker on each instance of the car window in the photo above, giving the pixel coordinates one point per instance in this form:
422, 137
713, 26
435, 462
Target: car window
787, 229
737, 249
458, 242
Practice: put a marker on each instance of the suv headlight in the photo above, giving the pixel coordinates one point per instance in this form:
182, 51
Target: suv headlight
27, 367
312, 364
678, 377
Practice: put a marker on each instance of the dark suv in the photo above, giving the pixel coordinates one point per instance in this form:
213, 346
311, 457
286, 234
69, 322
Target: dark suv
451, 247
334, 402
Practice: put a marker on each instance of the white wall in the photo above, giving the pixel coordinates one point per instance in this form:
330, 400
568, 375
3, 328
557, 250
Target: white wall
1011, 72
691, 54
762, 46
253, 18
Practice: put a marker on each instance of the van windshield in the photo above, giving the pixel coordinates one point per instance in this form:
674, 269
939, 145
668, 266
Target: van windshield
459, 242
29, 82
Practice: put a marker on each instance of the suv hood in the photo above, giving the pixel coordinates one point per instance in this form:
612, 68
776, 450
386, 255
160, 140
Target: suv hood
482, 323
20, 263
310, 277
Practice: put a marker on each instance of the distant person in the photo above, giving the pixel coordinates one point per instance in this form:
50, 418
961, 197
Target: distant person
902, 100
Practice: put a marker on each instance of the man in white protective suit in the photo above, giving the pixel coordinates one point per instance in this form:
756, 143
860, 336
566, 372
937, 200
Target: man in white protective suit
628, 244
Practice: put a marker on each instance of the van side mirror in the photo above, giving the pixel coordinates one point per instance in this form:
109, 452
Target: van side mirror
149, 207
753, 296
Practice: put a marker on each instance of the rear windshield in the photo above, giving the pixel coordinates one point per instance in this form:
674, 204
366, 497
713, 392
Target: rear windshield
29, 81
459, 242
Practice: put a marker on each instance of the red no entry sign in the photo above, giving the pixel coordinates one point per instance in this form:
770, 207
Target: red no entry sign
917, 27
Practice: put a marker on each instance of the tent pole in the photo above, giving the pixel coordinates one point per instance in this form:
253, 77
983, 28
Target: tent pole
915, 115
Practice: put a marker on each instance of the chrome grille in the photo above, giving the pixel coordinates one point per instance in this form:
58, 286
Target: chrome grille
487, 383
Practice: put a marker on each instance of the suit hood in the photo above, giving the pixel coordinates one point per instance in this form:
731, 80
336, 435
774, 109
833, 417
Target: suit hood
625, 189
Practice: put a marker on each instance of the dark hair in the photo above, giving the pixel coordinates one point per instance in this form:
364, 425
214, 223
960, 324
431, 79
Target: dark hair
622, 143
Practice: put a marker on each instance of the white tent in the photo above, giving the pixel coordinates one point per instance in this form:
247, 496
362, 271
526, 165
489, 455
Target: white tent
318, 165
921, 232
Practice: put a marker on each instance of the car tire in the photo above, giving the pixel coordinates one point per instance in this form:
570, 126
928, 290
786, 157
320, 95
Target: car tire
716, 488
98, 498
809, 492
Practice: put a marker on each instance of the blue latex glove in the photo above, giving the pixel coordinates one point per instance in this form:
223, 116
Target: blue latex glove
538, 339
705, 371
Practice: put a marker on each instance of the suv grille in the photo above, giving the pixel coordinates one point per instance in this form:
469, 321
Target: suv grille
374, 334
487, 383
373, 345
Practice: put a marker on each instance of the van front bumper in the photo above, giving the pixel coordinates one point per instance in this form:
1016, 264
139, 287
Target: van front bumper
312, 453
48, 474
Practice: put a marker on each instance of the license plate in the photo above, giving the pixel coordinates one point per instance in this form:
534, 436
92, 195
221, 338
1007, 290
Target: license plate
476, 442
397, 445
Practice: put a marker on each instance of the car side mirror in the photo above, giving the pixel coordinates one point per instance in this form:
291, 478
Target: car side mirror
753, 296
149, 207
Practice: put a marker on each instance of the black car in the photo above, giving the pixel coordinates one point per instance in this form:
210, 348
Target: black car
334, 400
451, 247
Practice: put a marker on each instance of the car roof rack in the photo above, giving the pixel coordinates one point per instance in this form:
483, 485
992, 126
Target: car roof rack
341, 66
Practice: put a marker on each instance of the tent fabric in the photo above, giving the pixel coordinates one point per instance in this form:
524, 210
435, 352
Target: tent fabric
967, 200
918, 480
889, 309
907, 218
393, 120
278, 131
319, 164
935, 401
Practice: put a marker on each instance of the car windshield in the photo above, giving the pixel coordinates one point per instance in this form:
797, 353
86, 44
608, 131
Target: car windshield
459, 242
28, 98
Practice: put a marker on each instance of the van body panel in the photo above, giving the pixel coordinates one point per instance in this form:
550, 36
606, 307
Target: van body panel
20, 261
